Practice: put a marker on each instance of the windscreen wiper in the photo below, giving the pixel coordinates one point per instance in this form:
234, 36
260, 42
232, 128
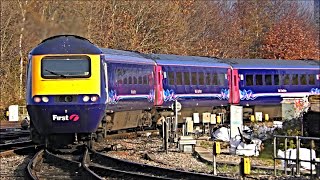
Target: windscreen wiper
54, 73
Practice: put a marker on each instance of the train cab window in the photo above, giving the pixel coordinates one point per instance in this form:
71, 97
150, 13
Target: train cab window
276, 79
66, 67
286, 79
303, 79
201, 78
312, 79
214, 79
194, 78
186, 78
268, 79
171, 78
295, 79
249, 80
208, 79
179, 78
259, 80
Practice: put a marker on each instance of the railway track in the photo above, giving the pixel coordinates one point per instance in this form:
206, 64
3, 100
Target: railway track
103, 166
23, 150
12, 134
89, 164
15, 145
46, 165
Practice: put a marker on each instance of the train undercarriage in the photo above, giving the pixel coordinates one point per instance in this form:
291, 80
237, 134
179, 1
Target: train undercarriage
117, 122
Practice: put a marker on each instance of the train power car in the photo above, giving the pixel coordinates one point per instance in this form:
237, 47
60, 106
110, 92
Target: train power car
66, 90
264, 83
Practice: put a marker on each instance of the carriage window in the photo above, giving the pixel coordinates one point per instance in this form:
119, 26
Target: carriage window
135, 80
295, 79
221, 79
268, 79
145, 79
125, 81
194, 78
311, 79
140, 80
179, 78
171, 78
286, 79
259, 80
207, 77
215, 79
150, 78
276, 79
249, 80
303, 79
130, 80
186, 78
120, 72
201, 78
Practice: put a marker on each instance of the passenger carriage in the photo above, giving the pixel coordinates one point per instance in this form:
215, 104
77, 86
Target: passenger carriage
198, 83
264, 83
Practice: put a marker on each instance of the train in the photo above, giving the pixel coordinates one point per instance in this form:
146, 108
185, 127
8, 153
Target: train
77, 91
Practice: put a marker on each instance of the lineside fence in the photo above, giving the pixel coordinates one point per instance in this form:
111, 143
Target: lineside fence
293, 164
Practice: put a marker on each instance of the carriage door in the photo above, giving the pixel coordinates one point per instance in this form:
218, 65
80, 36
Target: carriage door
158, 86
105, 68
233, 82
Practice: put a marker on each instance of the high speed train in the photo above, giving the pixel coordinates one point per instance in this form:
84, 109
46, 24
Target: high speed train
77, 91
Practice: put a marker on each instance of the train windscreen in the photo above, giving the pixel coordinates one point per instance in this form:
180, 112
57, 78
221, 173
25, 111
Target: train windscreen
65, 67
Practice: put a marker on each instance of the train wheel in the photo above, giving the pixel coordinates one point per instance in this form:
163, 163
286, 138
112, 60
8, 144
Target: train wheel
99, 137
34, 135
89, 142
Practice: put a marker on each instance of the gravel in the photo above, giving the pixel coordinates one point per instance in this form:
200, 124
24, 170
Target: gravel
146, 150
14, 167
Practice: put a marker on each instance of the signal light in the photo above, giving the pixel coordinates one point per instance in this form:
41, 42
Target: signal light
86, 98
94, 98
37, 99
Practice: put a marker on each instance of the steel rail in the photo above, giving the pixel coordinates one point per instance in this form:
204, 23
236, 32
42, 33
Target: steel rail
147, 170
15, 145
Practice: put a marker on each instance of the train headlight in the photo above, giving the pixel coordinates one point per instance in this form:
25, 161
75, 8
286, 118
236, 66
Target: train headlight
94, 98
45, 99
37, 99
86, 98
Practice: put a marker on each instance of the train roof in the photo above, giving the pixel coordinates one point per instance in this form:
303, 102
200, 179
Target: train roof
65, 44
125, 56
272, 64
178, 60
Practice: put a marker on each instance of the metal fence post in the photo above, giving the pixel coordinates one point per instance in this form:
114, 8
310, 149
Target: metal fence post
285, 156
311, 142
274, 155
298, 156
